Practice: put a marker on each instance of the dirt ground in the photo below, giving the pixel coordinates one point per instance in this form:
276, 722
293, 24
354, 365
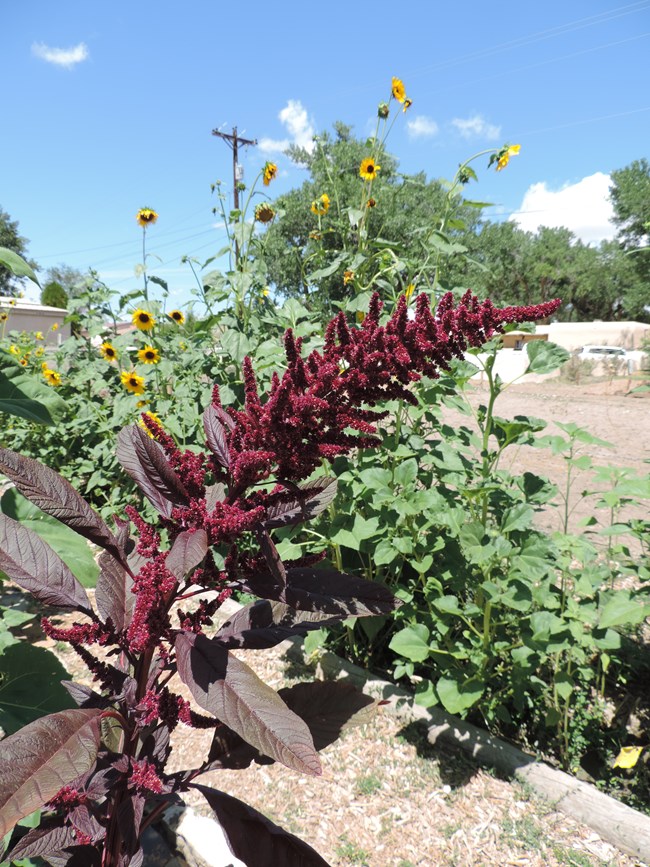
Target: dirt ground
605, 408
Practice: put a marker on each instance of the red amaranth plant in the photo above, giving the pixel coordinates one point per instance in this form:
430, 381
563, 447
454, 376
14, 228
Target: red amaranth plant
101, 792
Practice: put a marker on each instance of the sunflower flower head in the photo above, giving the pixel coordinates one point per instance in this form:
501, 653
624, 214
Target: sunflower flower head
348, 277
132, 382
143, 320
149, 355
38, 335
398, 90
371, 203
3, 316
269, 172
502, 157
108, 351
382, 110
177, 315
55, 327
146, 217
53, 377
14, 350
321, 205
407, 104
368, 169
264, 213
23, 361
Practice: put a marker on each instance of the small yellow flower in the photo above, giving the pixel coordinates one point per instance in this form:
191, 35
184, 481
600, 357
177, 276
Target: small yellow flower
398, 90
315, 236
23, 361
38, 335
269, 172
177, 315
503, 157
142, 403
13, 302
371, 203
368, 169
108, 351
182, 346
628, 757
264, 213
146, 217
407, 104
55, 327
132, 382
360, 315
149, 355
3, 316
348, 277
14, 350
410, 289
52, 376
321, 205
39, 351
45, 366
142, 320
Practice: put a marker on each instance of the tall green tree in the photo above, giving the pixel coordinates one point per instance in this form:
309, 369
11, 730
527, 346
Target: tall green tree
12, 240
630, 197
308, 253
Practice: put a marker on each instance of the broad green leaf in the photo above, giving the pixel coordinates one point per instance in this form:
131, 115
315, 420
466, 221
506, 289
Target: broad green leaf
17, 264
457, 696
518, 517
406, 473
545, 357
30, 685
26, 397
412, 642
621, 610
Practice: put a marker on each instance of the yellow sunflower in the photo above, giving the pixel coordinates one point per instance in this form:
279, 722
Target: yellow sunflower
108, 351
143, 320
321, 205
264, 213
23, 361
52, 376
503, 157
371, 203
132, 382
55, 327
38, 335
149, 355
177, 315
39, 351
146, 217
407, 104
14, 350
398, 91
269, 173
348, 277
368, 169
3, 316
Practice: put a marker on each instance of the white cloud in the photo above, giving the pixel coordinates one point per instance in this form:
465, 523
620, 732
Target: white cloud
584, 208
66, 57
476, 127
422, 127
301, 129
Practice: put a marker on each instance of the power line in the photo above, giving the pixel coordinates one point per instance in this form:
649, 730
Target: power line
233, 141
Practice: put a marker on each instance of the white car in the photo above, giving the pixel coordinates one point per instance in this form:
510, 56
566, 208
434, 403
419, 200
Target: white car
603, 353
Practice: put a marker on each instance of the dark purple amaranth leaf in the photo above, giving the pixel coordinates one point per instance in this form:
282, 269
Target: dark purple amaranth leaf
34, 566
214, 494
113, 593
224, 417
271, 555
264, 624
77, 856
84, 821
156, 745
328, 708
144, 460
41, 758
188, 551
56, 497
319, 493
135, 860
84, 696
236, 696
256, 840
101, 783
324, 590
215, 436
42, 840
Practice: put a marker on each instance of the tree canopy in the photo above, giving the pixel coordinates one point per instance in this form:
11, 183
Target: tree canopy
12, 240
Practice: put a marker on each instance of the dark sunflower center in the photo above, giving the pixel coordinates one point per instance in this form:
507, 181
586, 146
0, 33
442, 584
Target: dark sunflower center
144, 317
151, 354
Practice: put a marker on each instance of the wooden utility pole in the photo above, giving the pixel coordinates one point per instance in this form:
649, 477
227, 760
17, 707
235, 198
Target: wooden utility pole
233, 141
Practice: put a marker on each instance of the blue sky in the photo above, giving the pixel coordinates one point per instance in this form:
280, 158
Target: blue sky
110, 106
